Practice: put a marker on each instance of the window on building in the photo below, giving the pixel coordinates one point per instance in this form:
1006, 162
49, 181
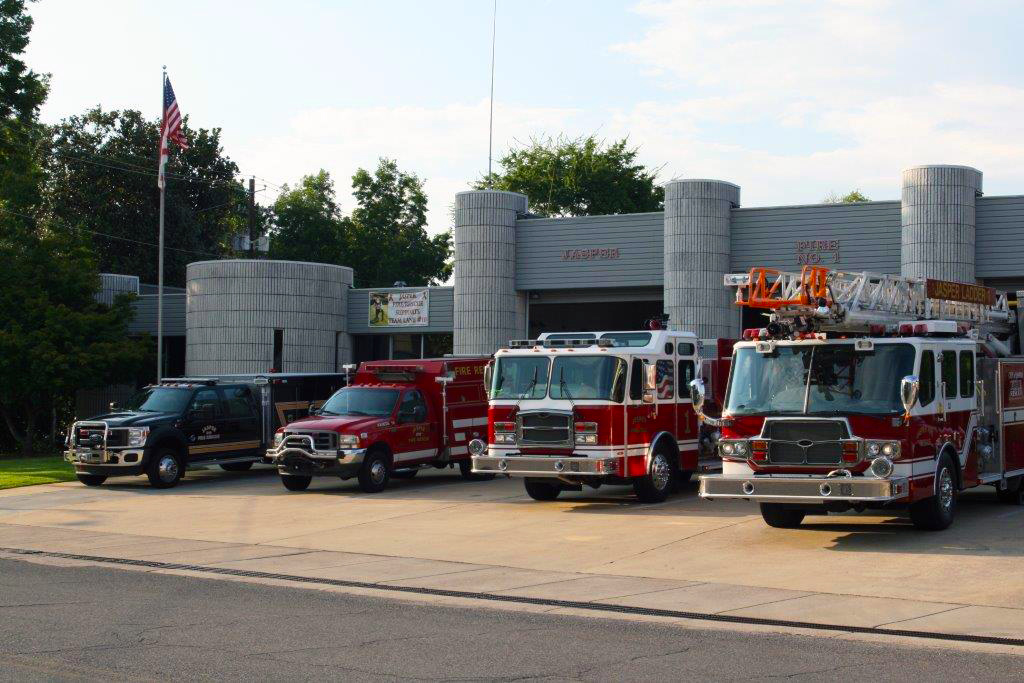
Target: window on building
438, 345
406, 346
337, 351
636, 380
967, 374
927, 378
278, 349
949, 373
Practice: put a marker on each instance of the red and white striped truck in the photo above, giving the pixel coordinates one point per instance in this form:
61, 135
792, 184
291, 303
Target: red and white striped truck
394, 418
574, 409
869, 391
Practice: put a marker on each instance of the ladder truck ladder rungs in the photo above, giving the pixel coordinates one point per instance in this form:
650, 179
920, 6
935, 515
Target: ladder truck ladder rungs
841, 301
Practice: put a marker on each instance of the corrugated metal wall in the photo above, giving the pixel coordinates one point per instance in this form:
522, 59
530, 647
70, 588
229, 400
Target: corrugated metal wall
1000, 237
145, 315
868, 234
440, 312
541, 244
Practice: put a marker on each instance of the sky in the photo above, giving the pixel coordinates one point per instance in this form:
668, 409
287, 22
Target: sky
792, 100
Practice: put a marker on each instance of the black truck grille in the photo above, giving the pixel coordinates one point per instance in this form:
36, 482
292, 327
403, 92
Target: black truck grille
322, 441
545, 428
811, 442
93, 437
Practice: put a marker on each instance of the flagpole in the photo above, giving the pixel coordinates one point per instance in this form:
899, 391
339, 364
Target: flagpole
160, 267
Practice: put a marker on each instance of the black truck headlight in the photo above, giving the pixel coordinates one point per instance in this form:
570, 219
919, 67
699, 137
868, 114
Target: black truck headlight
137, 436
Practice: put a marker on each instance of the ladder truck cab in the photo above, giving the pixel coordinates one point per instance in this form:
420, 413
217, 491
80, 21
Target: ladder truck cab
868, 391
574, 408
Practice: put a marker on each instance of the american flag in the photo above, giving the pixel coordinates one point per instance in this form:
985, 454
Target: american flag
170, 129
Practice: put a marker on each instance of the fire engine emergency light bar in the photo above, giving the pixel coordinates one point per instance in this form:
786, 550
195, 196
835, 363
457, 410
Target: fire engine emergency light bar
560, 343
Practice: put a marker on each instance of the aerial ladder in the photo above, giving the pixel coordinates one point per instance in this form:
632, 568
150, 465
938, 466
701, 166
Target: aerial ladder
821, 300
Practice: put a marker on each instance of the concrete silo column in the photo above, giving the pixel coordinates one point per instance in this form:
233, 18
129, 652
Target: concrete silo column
938, 222
698, 217
488, 310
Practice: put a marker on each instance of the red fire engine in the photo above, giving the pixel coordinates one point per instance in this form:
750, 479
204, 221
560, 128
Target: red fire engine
869, 391
575, 408
394, 418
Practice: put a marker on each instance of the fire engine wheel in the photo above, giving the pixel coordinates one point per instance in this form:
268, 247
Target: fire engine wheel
91, 479
659, 481
936, 513
541, 490
781, 517
375, 472
295, 483
405, 474
236, 466
1011, 492
466, 470
164, 469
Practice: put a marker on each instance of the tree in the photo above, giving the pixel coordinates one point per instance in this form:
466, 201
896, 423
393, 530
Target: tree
101, 179
851, 197
578, 177
384, 240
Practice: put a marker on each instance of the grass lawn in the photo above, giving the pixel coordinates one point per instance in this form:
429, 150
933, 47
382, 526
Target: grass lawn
44, 469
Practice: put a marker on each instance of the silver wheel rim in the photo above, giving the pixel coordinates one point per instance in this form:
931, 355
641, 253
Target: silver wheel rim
167, 469
377, 472
945, 489
660, 472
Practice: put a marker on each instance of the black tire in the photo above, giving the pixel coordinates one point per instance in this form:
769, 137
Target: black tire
375, 472
237, 466
295, 483
781, 517
541, 490
466, 470
91, 479
405, 474
937, 512
683, 477
659, 481
165, 468
1012, 492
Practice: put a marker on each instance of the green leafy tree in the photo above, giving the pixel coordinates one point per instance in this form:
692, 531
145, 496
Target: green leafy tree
852, 197
384, 239
101, 179
578, 177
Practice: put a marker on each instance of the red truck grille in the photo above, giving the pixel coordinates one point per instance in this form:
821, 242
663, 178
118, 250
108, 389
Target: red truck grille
545, 428
805, 442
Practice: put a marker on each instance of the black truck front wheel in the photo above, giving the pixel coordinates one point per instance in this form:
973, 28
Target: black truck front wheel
165, 468
295, 483
91, 479
236, 466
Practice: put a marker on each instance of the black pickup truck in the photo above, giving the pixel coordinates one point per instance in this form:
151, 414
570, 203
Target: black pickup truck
168, 427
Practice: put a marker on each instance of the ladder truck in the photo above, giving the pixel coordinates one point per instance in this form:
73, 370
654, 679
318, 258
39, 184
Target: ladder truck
867, 391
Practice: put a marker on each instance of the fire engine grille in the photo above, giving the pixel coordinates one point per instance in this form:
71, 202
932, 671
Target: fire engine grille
322, 441
545, 428
811, 442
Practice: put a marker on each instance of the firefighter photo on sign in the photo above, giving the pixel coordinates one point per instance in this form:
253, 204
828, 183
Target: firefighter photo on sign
378, 310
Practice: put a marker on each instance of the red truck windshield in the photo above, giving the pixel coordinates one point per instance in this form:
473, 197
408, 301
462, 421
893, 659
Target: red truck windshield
367, 401
819, 379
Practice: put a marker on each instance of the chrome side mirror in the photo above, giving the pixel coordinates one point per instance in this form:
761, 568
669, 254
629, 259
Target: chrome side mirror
910, 388
697, 394
650, 382
488, 376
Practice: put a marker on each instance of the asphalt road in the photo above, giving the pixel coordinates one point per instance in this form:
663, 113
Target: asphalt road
98, 623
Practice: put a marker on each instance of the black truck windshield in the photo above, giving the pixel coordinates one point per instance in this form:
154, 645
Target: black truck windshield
367, 401
593, 377
159, 400
520, 377
820, 379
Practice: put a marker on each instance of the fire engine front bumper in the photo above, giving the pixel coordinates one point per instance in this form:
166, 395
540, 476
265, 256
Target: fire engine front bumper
304, 462
540, 466
811, 490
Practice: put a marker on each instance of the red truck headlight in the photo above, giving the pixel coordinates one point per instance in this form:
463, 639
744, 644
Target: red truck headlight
586, 433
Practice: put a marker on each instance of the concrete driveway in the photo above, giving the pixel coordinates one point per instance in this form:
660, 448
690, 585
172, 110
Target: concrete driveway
438, 531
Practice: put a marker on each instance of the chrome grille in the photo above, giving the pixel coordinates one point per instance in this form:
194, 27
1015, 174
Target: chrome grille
544, 428
805, 442
322, 441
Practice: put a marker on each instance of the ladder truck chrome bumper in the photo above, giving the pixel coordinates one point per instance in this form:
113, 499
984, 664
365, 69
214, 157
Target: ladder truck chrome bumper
814, 490
545, 466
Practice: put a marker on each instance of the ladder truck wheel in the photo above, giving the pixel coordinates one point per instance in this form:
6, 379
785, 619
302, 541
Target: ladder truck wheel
91, 479
659, 481
541, 490
937, 512
1010, 492
295, 483
780, 516
466, 470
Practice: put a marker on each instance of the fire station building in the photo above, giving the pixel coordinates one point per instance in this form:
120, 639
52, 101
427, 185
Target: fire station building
517, 274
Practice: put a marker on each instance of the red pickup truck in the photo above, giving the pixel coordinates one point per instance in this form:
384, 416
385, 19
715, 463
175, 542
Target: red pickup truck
393, 418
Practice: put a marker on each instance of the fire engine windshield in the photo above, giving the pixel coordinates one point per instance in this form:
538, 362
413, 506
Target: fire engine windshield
520, 377
821, 379
159, 400
593, 377
367, 401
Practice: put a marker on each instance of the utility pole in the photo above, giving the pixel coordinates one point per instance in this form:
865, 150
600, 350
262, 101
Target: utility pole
252, 217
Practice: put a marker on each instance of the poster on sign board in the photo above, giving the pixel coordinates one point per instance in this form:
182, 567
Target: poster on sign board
399, 309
